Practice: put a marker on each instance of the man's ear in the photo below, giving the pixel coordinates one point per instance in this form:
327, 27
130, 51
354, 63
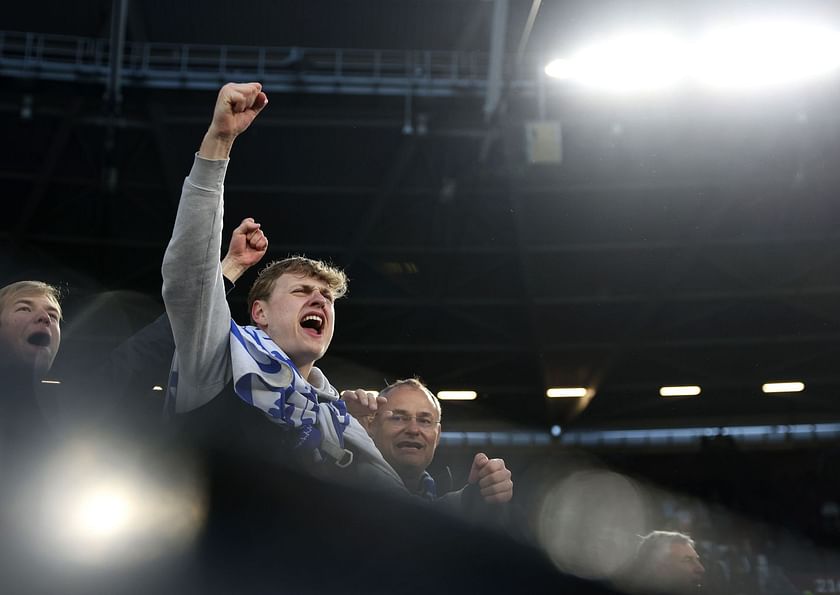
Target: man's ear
258, 314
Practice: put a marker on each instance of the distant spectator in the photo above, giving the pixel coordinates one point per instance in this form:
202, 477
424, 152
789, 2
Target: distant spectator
666, 562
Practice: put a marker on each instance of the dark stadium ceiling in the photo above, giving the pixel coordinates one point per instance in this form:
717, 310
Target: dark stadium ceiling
683, 239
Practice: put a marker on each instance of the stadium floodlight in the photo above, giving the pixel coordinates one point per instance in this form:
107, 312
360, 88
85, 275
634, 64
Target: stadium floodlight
735, 56
626, 63
571, 392
561, 69
457, 395
782, 387
679, 391
764, 54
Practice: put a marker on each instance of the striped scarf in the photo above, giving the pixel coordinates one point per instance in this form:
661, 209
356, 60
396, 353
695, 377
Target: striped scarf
266, 378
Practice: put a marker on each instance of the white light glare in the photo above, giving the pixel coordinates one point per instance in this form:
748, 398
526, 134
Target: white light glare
589, 523
559, 393
102, 511
560, 69
457, 395
679, 391
734, 56
625, 63
783, 387
765, 54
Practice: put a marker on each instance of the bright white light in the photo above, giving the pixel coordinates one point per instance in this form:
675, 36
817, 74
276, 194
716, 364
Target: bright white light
589, 522
103, 506
51, 382
765, 54
457, 395
157, 387
679, 391
560, 69
783, 387
556, 431
102, 511
559, 393
630, 62
734, 56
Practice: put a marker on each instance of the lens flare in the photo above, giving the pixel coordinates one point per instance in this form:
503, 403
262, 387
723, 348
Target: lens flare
589, 523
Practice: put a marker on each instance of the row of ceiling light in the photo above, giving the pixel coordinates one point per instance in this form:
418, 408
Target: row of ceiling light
665, 391
581, 392
677, 391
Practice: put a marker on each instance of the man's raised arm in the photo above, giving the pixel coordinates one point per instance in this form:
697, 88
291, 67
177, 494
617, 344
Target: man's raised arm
193, 289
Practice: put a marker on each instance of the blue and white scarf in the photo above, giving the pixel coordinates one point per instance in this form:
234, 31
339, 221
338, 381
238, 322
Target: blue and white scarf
266, 378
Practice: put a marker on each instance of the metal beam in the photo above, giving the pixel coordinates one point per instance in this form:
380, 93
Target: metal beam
526, 30
285, 70
560, 348
490, 250
569, 191
600, 299
573, 346
494, 132
113, 84
288, 119
495, 74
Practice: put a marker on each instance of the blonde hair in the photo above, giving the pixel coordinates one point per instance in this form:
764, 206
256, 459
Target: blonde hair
335, 278
29, 289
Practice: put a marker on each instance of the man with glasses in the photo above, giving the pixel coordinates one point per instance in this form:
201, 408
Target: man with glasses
404, 422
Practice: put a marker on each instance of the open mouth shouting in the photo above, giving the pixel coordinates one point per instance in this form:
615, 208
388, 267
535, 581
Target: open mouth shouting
313, 324
39, 339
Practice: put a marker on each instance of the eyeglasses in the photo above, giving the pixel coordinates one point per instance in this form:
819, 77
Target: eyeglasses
401, 420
